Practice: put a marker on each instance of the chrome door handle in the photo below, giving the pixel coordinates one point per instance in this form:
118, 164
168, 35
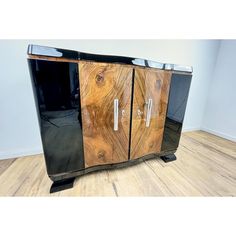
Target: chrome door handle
116, 113
149, 110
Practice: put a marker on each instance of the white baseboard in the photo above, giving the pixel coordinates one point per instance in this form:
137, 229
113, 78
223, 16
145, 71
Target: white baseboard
189, 129
20, 153
226, 136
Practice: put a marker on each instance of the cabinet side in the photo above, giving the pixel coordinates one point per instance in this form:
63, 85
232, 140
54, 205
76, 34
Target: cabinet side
56, 91
177, 102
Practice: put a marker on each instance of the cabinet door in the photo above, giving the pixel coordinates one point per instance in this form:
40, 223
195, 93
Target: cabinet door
105, 101
151, 90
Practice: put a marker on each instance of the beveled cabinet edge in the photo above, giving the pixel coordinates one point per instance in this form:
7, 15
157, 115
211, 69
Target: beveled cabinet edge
66, 55
58, 59
47, 58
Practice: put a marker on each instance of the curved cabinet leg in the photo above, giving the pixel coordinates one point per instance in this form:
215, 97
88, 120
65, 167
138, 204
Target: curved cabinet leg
62, 185
169, 158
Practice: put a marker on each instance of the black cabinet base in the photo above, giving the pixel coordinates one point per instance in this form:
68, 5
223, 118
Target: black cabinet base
67, 179
169, 158
62, 185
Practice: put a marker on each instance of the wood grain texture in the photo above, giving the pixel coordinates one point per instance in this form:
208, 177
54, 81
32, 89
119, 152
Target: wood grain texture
47, 58
205, 166
4, 164
100, 84
149, 84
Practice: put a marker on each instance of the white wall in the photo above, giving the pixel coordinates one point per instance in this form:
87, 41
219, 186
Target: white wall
220, 111
19, 132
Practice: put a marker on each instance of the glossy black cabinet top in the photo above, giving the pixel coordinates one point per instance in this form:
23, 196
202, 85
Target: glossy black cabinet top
75, 55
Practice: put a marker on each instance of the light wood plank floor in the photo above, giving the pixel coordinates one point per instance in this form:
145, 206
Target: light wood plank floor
205, 166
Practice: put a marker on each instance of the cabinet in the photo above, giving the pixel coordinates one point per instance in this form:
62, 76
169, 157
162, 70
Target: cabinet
100, 112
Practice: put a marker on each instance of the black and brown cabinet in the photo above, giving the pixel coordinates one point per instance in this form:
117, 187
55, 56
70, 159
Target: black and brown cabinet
98, 112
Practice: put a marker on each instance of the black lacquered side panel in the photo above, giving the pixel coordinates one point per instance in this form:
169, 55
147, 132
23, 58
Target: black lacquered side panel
56, 89
178, 96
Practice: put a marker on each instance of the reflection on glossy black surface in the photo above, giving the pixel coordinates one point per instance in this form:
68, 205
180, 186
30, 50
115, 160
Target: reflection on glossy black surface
52, 52
75, 55
56, 88
178, 96
69, 54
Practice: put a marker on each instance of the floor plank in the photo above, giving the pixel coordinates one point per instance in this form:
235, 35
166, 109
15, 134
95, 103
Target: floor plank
4, 164
205, 166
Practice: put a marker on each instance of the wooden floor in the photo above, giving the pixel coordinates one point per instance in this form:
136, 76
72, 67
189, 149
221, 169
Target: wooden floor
205, 166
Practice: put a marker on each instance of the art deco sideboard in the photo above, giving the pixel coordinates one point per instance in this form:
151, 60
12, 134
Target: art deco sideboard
101, 112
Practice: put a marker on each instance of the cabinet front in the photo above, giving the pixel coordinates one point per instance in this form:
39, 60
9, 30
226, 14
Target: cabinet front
150, 98
105, 91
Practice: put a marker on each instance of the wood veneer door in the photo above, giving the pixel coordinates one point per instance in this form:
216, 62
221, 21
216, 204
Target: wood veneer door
151, 90
100, 85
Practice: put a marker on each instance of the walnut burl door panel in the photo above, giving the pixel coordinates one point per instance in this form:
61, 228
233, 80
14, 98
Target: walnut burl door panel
105, 102
151, 90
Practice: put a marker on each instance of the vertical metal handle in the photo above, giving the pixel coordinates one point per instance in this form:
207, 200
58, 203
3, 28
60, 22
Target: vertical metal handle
116, 113
149, 110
